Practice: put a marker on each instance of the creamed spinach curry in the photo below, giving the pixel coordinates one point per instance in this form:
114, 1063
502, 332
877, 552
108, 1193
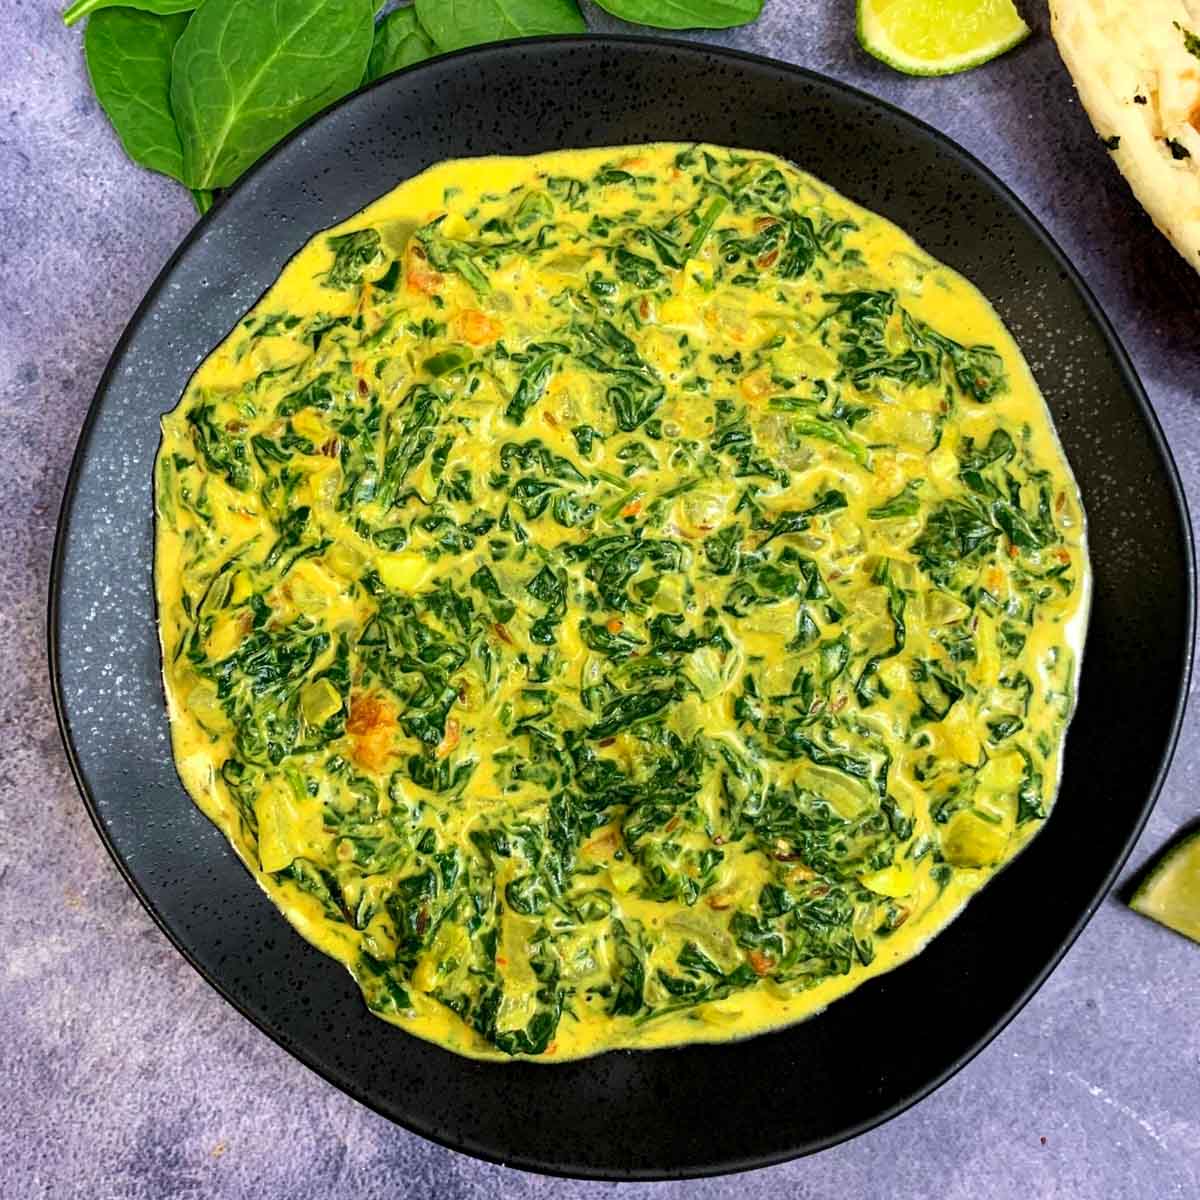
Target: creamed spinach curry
618, 597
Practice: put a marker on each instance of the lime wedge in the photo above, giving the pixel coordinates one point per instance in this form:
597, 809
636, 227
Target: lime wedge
1170, 894
938, 37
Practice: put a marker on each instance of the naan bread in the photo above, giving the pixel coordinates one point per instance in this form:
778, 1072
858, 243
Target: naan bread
1136, 64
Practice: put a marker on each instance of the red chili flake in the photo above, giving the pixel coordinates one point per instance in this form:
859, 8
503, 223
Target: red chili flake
331, 448
363, 388
839, 704
718, 840
502, 633
607, 742
768, 259
422, 919
236, 426
760, 963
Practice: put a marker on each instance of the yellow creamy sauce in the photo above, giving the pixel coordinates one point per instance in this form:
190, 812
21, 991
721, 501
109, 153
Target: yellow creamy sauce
617, 597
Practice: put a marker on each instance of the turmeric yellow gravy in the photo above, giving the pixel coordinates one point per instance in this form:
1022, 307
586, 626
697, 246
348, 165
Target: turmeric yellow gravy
617, 598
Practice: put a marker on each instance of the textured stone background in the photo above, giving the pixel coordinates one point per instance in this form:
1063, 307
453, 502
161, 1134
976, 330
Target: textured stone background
123, 1075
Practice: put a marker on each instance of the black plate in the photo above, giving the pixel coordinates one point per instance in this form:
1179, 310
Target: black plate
664, 1113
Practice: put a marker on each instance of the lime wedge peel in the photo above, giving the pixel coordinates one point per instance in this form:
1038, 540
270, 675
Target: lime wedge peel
1170, 894
938, 37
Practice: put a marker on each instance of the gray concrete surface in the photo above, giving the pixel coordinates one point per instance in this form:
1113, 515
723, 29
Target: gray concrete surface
123, 1075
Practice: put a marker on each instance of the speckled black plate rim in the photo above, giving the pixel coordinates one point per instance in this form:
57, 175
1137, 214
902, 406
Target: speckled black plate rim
1132, 383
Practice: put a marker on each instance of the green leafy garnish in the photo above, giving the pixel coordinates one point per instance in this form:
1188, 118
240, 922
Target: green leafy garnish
685, 14
453, 24
129, 55
400, 41
245, 75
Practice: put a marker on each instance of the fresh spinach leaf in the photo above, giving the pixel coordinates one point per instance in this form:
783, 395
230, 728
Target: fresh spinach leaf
163, 8
245, 75
400, 41
128, 57
685, 14
453, 24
